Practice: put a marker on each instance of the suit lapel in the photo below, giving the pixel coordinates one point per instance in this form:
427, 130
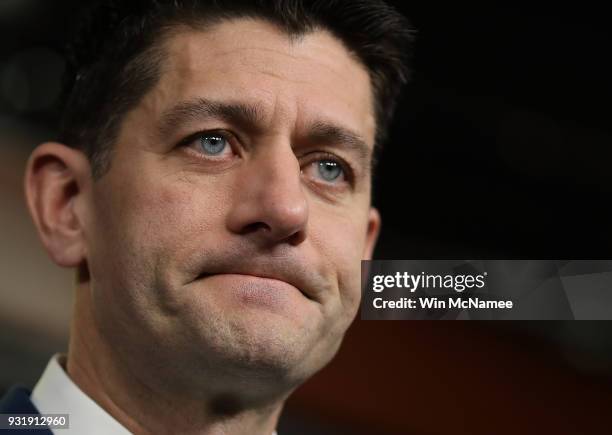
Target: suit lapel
17, 401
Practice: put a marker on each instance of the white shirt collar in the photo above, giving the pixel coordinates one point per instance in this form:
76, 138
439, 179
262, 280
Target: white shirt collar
55, 393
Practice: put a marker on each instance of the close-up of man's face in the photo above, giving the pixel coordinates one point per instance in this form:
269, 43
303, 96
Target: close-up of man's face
193, 202
227, 234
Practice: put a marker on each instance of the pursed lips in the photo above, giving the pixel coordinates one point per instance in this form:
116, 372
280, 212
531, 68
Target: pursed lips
276, 277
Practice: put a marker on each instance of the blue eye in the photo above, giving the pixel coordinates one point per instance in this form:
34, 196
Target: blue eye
329, 169
212, 143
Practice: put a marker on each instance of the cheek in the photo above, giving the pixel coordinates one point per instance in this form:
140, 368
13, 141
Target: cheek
175, 219
143, 228
341, 240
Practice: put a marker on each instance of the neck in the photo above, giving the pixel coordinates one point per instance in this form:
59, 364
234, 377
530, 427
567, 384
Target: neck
131, 390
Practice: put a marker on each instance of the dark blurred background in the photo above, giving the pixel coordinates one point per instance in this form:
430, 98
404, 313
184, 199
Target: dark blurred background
501, 149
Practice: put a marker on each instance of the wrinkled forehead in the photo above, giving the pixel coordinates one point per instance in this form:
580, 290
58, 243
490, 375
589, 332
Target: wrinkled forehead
292, 78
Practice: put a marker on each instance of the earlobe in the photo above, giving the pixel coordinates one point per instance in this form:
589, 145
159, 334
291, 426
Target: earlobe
373, 230
55, 178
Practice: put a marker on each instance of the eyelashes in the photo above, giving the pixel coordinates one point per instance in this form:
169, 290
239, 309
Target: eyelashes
202, 136
214, 145
327, 161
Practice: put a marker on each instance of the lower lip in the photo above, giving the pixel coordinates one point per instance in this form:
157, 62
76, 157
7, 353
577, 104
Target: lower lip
254, 290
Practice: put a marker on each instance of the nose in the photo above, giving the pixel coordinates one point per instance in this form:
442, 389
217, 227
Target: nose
270, 204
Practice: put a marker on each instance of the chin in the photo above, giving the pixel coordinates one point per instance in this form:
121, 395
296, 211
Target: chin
240, 330
274, 349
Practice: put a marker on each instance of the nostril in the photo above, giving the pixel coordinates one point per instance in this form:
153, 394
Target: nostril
255, 226
294, 237
297, 237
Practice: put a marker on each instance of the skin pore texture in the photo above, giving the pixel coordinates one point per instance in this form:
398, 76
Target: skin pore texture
213, 284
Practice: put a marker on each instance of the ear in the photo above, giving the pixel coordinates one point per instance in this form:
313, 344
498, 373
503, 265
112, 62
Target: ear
55, 179
373, 230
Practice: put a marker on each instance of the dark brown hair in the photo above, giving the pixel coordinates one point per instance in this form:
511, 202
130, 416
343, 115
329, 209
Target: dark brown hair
116, 56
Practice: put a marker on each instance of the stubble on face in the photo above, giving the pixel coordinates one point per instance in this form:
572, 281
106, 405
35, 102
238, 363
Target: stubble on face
176, 239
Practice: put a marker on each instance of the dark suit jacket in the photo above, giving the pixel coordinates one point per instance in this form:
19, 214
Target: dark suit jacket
17, 401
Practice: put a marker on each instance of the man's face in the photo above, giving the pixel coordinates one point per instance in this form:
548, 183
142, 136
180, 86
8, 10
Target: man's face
228, 232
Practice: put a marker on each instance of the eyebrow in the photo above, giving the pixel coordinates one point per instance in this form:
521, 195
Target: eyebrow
244, 115
327, 133
248, 116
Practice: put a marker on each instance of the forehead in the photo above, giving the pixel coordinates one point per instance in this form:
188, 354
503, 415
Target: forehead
294, 79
